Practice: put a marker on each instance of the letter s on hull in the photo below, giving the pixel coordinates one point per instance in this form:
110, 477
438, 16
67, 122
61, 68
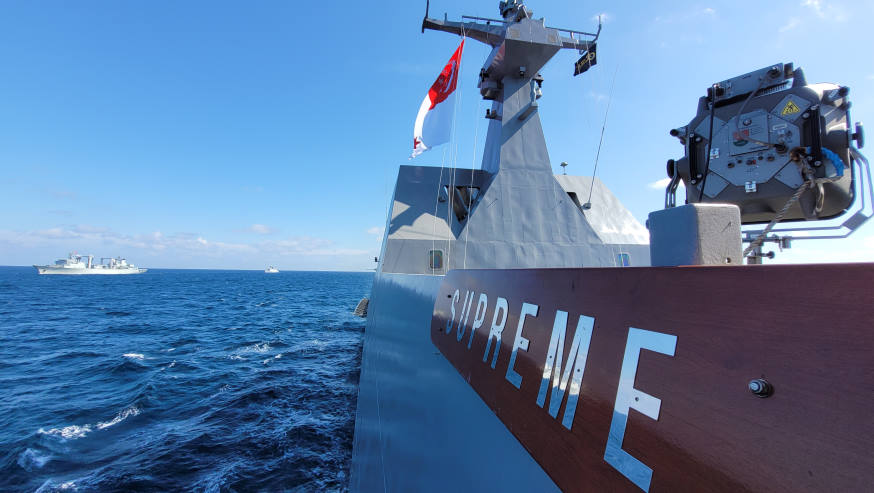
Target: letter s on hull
627, 397
451, 320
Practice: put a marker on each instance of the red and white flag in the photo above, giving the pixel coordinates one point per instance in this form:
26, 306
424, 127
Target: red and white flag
434, 121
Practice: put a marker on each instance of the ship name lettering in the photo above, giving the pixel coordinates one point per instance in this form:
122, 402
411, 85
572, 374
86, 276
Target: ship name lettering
563, 373
452, 309
576, 365
628, 397
479, 317
520, 343
501, 308
468, 299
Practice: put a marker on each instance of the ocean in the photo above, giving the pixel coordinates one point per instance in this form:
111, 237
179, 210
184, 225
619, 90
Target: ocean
178, 380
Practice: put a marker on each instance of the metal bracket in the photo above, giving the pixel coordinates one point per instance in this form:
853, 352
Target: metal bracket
671, 191
851, 224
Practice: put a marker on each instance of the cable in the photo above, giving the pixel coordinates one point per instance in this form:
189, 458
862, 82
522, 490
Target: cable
709, 148
470, 189
741, 110
601, 141
454, 155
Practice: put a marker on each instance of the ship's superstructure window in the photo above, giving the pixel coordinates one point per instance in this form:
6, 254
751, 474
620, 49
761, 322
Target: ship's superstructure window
462, 200
623, 260
436, 259
575, 199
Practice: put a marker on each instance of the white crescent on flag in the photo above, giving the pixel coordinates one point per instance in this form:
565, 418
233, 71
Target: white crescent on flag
434, 121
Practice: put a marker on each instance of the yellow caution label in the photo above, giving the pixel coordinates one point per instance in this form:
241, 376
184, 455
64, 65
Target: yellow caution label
790, 109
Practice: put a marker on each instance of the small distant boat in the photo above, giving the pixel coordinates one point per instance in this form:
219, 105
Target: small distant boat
271, 270
84, 264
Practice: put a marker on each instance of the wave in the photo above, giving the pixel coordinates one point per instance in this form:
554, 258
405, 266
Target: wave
32, 459
68, 432
74, 432
131, 411
50, 485
268, 360
256, 348
138, 356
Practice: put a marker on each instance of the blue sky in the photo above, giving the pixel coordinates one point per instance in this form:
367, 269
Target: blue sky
232, 135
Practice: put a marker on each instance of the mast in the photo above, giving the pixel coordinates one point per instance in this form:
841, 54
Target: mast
510, 78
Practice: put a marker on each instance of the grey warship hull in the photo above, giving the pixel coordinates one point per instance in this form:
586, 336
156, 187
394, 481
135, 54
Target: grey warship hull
416, 416
518, 339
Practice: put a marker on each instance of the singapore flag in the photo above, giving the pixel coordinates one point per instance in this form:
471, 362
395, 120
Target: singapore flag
434, 121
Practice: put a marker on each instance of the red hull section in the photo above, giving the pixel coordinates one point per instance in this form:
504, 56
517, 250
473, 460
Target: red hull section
687, 342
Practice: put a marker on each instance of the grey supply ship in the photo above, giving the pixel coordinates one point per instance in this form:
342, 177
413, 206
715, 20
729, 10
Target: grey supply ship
84, 265
518, 339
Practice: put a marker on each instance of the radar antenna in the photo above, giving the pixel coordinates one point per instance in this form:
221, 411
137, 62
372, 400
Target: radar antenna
781, 150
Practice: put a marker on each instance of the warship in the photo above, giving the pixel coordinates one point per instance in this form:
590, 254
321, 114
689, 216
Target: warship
84, 265
520, 339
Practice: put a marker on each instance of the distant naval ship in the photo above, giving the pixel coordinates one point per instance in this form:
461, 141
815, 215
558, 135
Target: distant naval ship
84, 265
526, 333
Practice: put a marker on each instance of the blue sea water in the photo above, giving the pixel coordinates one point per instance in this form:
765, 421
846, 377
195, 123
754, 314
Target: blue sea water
178, 380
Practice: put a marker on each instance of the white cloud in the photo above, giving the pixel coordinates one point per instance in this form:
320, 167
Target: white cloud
824, 10
173, 247
871, 77
659, 184
815, 5
261, 229
378, 232
790, 25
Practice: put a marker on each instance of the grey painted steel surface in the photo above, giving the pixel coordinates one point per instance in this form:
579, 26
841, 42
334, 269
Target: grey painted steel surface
419, 426
612, 222
696, 234
524, 218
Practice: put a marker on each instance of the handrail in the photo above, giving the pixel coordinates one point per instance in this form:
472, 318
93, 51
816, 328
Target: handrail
483, 19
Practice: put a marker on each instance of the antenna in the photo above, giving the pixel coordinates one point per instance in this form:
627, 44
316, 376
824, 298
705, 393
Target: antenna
588, 204
564, 167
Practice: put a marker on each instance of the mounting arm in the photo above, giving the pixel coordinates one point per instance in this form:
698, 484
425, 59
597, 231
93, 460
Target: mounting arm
492, 31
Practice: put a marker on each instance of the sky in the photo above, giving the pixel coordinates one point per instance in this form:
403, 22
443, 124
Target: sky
236, 135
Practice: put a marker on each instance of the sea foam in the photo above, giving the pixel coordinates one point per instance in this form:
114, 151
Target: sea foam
67, 432
31, 459
131, 411
73, 432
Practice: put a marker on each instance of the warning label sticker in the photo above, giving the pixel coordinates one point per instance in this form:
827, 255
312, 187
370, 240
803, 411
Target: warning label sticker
790, 109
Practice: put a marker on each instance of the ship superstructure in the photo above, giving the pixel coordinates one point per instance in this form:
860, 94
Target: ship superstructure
84, 264
416, 419
518, 338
